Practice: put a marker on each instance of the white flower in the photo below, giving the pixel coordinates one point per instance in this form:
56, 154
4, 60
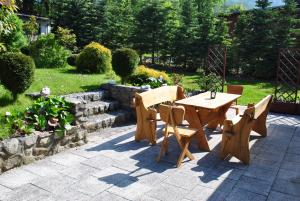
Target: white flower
68, 127
7, 114
45, 91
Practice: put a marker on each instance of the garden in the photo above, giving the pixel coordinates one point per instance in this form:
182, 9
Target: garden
89, 46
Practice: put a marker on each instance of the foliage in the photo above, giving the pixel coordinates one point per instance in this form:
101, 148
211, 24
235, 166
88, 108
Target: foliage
6, 10
37, 117
207, 81
94, 58
15, 38
31, 28
84, 17
177, 79
71, 60
48, 53
17, 72
117, 28
46, 109
147, 76
124, 62
156, 23
66, 38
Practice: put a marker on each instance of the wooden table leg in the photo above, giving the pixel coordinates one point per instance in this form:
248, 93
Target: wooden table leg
220, 117
194, 120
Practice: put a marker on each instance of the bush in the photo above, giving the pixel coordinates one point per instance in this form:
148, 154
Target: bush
48, 53
147, 76
143, 70
124, 62
15, 39
66, 38
94, 58
16, 72
71, 60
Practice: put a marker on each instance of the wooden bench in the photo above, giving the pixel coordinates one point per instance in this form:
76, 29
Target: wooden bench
146, 112
236, 132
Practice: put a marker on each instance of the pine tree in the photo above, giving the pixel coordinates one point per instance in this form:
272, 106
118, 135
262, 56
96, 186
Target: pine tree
185, 50
118, 23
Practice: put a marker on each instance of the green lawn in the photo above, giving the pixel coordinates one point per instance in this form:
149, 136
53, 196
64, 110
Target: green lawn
64, 81
254, 90
60, 81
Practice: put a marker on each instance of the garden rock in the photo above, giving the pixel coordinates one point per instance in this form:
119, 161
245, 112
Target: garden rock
40, 151
12, 162
30, 140
11, 146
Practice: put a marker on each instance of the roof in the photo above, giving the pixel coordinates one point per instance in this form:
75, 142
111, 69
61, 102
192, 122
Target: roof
37, 17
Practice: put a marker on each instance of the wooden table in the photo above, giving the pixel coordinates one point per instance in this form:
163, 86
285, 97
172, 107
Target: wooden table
201, 110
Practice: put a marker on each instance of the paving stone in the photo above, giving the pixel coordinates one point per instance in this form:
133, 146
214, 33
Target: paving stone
106, 196
113, 175
226, 172
129, 189
290, 166
44, 168
254, 185
288, 187
288, 174
79, 171
55, 184
167, 192
292, 158
27, 192
90, 186
17, 177
67, 159
3, 191
182, 180
277, 196
260, 173
203, 193
147, 198
99, 162
239, 194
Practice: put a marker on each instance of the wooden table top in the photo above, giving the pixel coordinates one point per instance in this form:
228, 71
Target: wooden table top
204, 101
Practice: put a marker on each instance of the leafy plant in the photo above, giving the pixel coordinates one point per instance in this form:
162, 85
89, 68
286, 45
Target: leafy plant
207, 81
177, 78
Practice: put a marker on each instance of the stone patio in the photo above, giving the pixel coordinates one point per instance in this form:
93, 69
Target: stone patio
112, 166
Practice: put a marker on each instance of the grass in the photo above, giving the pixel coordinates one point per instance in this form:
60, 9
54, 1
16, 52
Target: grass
254, 90
60, 81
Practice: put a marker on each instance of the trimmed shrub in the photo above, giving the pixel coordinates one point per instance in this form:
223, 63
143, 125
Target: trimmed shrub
124, 62
16, 72
148, 76
94, 58
48, 53
143, 70
71, 60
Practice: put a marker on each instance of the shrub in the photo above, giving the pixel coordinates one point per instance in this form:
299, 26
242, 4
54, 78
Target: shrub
16, 72
143, 70
94, 58
48, 53
124, 62
15, 39
207, 81
66, 38
147, 76
71, 60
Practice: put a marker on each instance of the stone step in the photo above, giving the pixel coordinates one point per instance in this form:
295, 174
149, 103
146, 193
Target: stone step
106, 120
89, 96
97, 107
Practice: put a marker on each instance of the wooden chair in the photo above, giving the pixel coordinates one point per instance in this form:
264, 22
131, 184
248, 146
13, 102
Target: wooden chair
235, 89
236, 132
146, 113
173, 116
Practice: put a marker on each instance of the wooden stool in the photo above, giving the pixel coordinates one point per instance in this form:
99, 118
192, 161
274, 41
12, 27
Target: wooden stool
173, 116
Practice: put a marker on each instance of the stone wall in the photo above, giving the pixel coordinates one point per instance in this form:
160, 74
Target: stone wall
15, 152
123, 94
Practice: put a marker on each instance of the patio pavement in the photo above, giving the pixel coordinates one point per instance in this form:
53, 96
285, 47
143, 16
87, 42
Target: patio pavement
112, 166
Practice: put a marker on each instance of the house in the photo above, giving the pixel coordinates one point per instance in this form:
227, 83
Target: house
44, 23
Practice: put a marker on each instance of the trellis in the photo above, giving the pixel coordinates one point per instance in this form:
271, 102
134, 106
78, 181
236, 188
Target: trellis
288, 71
216, 63
287, 82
